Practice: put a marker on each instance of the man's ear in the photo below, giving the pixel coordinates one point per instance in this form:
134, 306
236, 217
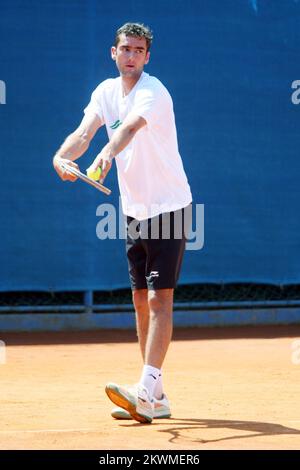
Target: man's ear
147, 57
113, 52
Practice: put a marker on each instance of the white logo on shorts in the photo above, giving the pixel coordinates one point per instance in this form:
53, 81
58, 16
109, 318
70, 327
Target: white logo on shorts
154, 274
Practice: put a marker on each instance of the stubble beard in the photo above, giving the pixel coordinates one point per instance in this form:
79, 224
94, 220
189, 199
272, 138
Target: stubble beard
133, 74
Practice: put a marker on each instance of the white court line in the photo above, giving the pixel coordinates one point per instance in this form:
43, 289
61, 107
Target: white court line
47, 430
2, 431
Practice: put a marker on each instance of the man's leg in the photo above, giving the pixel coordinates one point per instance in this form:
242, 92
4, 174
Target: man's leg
160, 326
152, 308
140, 302
158, 339
141, 305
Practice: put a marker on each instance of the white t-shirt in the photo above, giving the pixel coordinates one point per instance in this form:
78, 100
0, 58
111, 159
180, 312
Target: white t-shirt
150, 171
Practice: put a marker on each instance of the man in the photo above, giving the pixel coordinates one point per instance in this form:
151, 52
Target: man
138, 113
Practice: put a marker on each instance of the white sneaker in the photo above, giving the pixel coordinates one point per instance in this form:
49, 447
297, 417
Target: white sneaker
135, 401
161, 410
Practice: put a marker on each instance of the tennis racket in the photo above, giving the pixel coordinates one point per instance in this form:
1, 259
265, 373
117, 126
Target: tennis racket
85, 178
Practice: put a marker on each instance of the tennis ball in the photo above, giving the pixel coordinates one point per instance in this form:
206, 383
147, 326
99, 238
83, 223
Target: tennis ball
94, 175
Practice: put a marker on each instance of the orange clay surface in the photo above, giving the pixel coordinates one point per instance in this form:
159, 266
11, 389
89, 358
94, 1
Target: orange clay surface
233, 388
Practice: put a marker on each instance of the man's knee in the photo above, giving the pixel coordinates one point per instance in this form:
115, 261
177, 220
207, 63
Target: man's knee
140, 300
160, 301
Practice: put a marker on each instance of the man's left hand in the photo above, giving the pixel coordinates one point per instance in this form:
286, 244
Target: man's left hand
104, 161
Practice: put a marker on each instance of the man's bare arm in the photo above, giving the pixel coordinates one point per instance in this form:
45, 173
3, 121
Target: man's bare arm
124, 134
120, 139
76, 145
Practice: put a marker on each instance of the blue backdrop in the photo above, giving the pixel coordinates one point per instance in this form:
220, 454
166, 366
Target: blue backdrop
229, 66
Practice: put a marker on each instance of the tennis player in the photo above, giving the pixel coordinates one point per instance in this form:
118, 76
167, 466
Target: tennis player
137, 111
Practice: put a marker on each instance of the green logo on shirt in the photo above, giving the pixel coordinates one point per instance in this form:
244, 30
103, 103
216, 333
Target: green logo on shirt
116, 124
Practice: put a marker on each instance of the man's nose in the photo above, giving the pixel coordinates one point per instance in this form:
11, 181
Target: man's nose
131, 55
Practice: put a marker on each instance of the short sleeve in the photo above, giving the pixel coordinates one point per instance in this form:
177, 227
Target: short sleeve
151, 103
94, 105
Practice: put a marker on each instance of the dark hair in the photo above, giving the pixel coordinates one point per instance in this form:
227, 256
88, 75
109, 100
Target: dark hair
137, 30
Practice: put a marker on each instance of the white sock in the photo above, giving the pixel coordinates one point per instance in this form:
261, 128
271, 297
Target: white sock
158, 391
149, 378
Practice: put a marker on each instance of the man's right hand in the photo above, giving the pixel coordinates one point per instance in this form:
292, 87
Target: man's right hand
62, 172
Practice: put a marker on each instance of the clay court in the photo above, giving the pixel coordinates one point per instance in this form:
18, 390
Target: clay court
233, 388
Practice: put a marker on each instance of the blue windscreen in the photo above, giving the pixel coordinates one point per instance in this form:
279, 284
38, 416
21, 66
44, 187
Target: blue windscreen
229, 66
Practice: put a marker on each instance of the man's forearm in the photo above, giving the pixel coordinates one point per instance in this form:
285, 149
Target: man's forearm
73, 147
120, 140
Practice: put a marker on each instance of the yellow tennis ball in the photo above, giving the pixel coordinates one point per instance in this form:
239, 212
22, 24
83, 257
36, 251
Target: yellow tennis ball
94, 175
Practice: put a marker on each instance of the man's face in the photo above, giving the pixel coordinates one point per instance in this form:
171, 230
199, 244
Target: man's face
130, 55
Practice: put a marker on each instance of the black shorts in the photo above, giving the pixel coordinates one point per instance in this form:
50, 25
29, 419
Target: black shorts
155, 249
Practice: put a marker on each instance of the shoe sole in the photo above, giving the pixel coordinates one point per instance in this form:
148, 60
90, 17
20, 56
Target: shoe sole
125, 415
162, 416
118, 399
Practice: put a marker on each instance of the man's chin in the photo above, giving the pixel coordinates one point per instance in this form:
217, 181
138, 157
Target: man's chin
131, 73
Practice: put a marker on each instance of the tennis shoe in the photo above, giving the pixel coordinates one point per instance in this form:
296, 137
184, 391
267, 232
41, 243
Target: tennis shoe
134, 400
161, 410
